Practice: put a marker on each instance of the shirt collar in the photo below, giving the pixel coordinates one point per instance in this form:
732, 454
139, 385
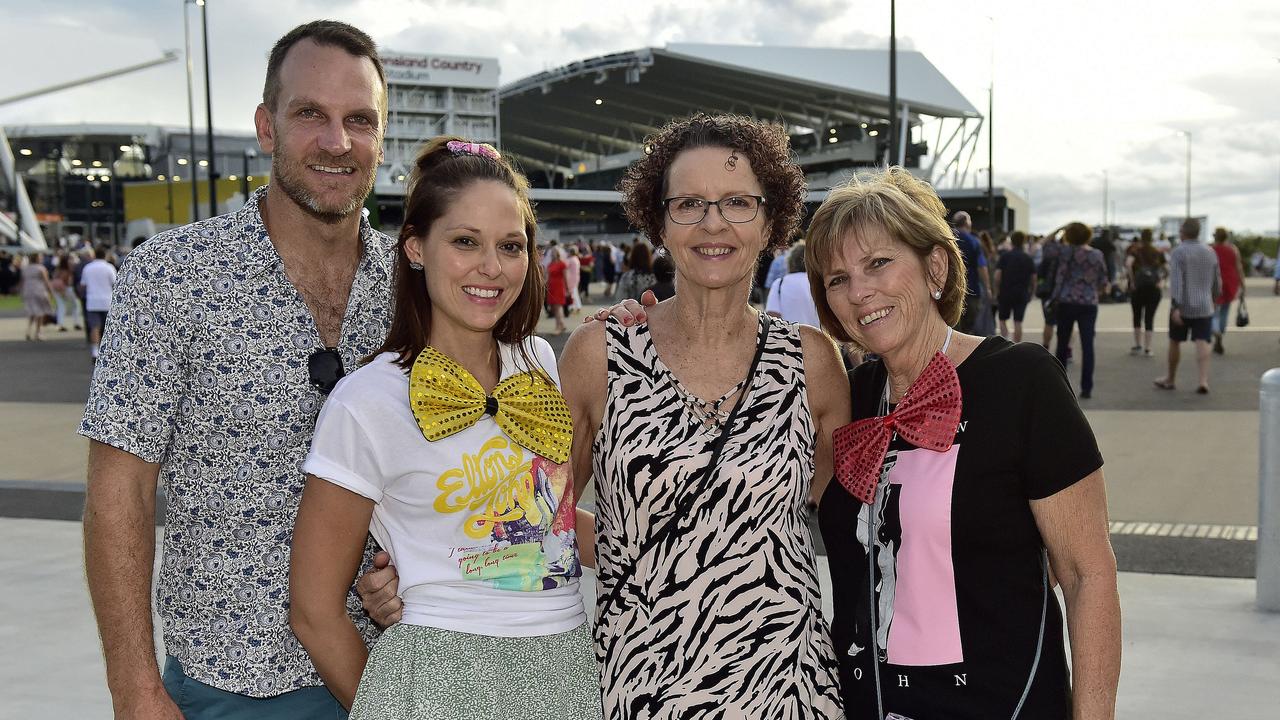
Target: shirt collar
259, 255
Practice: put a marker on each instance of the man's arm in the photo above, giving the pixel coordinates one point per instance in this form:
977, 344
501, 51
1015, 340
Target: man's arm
119, 556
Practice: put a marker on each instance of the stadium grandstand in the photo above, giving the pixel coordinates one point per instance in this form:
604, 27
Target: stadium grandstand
573, 129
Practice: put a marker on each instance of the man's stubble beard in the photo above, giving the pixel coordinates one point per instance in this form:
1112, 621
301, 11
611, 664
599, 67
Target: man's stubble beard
284, 173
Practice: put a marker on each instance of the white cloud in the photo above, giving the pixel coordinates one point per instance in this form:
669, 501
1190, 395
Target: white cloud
1080, 87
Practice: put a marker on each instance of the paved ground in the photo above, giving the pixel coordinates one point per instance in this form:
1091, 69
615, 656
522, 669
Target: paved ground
1172, 457
1179, 465
1193, 647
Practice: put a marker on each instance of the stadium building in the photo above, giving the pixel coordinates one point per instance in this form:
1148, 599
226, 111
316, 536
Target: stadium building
573, 129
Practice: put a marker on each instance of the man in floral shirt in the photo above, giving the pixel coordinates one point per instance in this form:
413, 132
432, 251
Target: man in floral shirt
225, 335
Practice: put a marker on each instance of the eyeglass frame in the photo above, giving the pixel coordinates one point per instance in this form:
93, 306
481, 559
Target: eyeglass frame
706, 208
323, 383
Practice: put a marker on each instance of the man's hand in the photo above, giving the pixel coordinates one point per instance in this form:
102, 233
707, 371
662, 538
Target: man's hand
379, 590
152, 705
628, 312
1175, 316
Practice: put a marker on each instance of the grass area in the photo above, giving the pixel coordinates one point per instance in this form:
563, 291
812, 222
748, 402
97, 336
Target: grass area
10, 302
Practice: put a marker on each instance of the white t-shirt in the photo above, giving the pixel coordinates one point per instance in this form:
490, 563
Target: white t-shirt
790, 298
481, 530
98, 278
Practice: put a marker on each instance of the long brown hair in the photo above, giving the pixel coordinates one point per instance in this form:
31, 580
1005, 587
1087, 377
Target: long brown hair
439, 175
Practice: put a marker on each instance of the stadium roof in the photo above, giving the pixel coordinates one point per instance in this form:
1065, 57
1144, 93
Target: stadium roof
599, 109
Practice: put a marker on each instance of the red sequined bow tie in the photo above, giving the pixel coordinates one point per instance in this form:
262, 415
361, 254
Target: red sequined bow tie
927, 417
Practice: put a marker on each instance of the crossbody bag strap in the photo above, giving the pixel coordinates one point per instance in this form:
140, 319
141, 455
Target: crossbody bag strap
685, 505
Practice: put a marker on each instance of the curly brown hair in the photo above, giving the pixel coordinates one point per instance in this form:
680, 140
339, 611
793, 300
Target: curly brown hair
766, 145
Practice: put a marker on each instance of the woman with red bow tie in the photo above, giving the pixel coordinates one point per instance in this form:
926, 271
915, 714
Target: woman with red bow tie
967, 480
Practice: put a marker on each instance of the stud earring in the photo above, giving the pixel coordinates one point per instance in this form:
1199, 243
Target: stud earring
937, 294
415, 266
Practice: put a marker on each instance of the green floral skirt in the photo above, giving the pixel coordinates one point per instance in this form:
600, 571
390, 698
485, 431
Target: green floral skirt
425, 673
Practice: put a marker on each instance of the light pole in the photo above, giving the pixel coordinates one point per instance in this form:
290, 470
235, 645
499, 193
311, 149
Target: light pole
1105, 190
209, 113
249, 154
1188, 134
991, 106
893, 84
17, 202
191, 114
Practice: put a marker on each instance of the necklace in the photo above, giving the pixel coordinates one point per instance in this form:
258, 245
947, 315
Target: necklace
884, 401
711, 413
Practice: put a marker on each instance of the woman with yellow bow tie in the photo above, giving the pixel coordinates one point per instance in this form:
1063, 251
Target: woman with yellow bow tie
450, 448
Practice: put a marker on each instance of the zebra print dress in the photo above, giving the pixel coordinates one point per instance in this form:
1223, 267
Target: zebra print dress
722, 619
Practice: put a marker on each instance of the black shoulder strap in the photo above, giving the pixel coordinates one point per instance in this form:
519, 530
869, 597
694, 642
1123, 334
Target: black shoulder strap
685, 505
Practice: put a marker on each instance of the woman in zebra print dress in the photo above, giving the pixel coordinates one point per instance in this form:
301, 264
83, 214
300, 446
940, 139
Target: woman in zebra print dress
713, 611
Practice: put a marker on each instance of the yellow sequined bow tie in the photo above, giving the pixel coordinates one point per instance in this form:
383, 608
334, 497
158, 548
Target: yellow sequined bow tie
446, 399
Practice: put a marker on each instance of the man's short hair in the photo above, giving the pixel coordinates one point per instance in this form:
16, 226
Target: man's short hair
1190, 228
961, 218
330, 33
100, 253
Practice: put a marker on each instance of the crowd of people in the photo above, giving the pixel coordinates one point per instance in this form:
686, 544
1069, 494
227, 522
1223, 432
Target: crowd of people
67, 290
373, 463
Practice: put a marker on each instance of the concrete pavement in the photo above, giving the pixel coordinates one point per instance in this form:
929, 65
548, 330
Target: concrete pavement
1193, 647
1182, 483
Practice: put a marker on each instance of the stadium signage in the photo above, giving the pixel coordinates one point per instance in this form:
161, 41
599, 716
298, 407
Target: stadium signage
440, 70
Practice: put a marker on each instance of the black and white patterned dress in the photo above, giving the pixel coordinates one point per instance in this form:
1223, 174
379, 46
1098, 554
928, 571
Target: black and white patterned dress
722, 619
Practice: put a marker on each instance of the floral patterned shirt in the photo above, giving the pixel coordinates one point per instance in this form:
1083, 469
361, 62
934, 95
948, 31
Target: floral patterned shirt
204, 370
1082, 274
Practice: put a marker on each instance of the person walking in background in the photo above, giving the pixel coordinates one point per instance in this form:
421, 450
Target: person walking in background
1145, 269
83, 257
789, 296
1082, 279
1232, 269
572, 276
664, 274
586, 272
978, 284
1105, 244
8, 272
1194, 281
639, 274
618, 259
1051, 249
1275, 275
1014, 274
777, 267
37, 294
64, 294
557, 287
603, 266
991, 255
98, 279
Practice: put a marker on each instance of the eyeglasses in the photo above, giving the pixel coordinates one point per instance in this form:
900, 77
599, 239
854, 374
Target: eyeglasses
325, 369
734, 209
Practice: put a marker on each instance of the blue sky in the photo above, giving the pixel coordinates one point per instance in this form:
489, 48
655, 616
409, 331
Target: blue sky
1081, 87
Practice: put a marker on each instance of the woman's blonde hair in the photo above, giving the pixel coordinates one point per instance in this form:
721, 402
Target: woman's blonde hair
907, 210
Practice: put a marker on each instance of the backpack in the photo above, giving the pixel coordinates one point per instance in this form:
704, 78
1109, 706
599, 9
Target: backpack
1146, 276
1046, 276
